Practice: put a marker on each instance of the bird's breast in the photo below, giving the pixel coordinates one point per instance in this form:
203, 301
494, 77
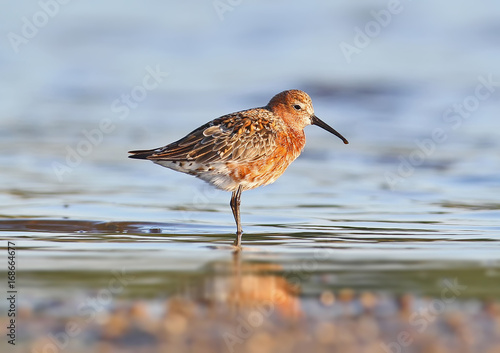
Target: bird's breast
266, 170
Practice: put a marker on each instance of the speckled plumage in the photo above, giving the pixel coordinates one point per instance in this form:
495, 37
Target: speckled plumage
243, 150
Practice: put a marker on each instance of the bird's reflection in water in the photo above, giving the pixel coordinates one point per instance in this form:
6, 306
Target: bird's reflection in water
241, 286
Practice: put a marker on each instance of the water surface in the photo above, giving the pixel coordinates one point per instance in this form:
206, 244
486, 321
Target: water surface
364, 234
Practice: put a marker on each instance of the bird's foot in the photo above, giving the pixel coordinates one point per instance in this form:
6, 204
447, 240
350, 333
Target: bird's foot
236, 248
237, 242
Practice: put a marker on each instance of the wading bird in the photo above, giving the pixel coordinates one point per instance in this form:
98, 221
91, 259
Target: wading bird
243, 150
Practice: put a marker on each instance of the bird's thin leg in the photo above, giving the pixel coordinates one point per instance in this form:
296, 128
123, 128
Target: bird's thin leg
235, 207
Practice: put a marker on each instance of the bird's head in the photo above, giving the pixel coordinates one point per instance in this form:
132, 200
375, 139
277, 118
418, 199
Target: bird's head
296, 109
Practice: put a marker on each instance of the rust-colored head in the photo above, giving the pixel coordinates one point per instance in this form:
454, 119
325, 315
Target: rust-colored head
295, 108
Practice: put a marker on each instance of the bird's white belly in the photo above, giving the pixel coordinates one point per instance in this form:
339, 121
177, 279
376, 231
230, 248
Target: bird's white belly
217, 174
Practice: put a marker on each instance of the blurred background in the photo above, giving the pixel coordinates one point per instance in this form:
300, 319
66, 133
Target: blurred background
349, 248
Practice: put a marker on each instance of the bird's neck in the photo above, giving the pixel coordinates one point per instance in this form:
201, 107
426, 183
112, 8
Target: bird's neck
294, 140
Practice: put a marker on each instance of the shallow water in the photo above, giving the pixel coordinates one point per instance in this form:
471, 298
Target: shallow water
409, 206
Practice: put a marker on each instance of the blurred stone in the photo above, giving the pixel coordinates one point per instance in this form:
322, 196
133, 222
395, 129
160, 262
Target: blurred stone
327, 298
261, 342
325, 332
175, 324
368, 300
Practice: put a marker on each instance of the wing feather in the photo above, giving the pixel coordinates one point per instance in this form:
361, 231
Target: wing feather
239, 137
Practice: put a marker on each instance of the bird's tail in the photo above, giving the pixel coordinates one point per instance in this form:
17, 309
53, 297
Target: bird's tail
141, 154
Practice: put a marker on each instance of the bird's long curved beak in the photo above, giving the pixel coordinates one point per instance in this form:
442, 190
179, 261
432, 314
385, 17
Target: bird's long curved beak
317, 121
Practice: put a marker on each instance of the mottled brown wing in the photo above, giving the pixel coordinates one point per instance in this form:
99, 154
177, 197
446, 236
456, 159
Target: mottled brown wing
240, 137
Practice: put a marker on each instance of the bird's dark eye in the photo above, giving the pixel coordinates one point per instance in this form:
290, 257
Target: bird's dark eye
297, 107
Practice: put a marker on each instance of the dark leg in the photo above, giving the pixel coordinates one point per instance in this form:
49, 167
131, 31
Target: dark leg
235, 207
